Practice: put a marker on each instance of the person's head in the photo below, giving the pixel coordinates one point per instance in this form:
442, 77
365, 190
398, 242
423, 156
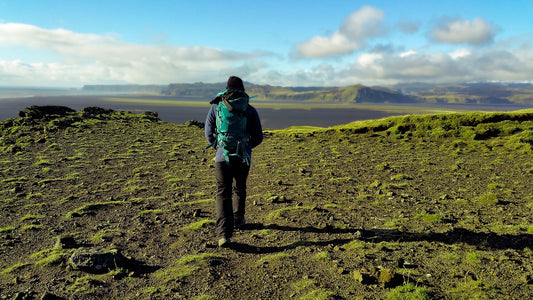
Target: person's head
235, 82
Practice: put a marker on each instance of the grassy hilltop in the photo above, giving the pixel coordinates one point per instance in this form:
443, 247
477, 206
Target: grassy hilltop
414, 207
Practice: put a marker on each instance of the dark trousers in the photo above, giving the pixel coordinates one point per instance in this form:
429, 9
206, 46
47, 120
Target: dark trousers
230, 180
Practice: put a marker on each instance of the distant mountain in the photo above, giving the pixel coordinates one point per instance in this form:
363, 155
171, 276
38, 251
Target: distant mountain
464, 93
349, 94
198, 89
470, 93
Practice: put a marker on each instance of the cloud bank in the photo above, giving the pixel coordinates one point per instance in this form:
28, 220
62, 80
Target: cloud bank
360, 50
475, 32
97, 58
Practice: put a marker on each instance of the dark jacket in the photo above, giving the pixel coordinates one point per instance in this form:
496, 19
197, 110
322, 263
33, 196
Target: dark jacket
253, 128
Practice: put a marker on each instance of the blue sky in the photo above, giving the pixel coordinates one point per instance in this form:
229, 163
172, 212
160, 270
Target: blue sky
286, 43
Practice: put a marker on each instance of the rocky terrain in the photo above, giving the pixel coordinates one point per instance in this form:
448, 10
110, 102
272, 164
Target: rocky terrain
112, 205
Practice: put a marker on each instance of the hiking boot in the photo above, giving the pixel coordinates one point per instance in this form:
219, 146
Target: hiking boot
223, 242
240, 225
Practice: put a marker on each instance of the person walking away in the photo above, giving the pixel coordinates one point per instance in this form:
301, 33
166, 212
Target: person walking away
233, 128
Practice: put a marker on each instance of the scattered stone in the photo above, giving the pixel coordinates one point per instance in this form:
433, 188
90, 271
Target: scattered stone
273, 199
14, 149
21, 296
61, 123
65, 242
96, 260
304, 171
386, 275
49, 296
406, 264
194, 123
375, 184
362, 277
40, 112
151, 116
17, 189
94, 112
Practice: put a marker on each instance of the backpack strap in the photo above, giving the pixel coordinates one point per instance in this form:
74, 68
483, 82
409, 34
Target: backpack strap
228, 105
233, 110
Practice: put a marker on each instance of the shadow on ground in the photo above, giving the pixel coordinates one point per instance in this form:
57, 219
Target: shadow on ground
455, 236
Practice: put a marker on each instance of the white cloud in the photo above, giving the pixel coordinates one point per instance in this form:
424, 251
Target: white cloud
458, 66
476, 32
459, 53
319, 46
359, 26
368, 59
105, 48
362, 24
408, 53
91, 58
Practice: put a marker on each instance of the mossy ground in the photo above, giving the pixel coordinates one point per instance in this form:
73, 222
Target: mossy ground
436, 206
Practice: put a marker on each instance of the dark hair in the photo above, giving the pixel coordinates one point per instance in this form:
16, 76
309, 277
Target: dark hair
235, 82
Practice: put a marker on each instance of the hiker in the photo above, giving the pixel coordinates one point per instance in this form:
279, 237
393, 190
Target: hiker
233, 128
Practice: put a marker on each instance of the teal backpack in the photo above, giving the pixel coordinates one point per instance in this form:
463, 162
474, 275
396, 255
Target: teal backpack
231, 124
